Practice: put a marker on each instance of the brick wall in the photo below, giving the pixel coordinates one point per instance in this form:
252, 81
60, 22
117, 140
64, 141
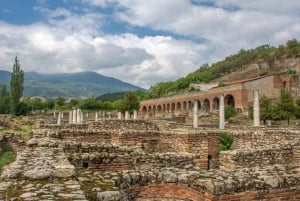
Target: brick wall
180, 193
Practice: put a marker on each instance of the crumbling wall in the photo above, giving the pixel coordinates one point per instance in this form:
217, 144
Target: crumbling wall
276, 154
106, 156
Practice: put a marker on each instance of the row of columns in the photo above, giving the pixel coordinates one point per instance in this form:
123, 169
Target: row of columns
76, 116
256, 111
127, 115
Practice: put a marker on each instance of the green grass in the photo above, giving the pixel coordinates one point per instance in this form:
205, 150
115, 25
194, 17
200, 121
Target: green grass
7, 157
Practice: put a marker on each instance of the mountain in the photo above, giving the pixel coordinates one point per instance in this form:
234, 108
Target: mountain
83, 84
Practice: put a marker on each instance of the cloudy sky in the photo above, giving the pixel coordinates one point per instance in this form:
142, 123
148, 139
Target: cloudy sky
138, 41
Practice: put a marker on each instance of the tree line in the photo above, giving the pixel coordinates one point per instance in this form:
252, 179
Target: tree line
10, 100
12, 103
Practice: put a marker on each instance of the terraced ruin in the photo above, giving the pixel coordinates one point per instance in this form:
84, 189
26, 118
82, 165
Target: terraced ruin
124, 160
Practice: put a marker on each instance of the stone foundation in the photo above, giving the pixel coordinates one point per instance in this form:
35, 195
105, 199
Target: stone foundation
136, 161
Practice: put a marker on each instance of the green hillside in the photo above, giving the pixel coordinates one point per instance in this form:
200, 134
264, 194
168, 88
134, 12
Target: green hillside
207, 73
84, 84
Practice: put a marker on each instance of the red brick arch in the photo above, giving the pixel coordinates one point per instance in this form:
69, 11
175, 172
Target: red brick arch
182, 103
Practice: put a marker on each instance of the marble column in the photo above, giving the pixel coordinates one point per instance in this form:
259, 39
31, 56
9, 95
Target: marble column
74, 116
70, 117
119, 115
96, 116
59, 119
222, 113
135, 114
195, 123
127, 116
78, 118
256, 111
81, 117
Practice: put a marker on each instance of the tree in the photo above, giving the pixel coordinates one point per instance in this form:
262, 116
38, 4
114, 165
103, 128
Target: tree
4, 99
285, 106
16, 87
297, 108
129, 103
266, 108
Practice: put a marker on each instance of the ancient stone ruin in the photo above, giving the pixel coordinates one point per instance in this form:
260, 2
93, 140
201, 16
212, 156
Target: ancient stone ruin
112, 159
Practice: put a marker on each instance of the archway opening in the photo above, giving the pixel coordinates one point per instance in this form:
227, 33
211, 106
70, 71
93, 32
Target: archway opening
216, 103
206, 105
229, 100
178, 106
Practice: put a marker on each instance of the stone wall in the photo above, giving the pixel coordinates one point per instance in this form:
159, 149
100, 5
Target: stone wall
203, 143
256, 183
276, 154
108, 156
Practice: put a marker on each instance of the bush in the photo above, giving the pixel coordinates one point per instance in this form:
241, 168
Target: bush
225, 141
230, 112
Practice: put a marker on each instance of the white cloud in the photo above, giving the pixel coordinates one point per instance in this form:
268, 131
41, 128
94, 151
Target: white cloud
70, 42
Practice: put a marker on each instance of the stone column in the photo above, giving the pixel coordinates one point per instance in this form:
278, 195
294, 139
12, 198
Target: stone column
96, 116
54, 114
135, 114
256, 113
119, 115
59, 119
195, 114
70, 117
74, 116
127, 115
81, 117
78, 118
222, 113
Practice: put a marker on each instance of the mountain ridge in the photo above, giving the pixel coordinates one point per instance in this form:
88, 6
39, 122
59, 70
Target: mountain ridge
80, 84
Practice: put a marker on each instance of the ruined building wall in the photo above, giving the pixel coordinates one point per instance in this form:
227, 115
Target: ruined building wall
277, 154
269, 86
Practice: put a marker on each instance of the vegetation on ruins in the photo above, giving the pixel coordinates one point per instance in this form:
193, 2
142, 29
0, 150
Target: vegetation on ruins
206, 73
229, 112
7, 157
16, 87
225, 140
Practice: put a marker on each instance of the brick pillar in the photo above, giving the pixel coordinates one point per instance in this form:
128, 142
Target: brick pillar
222, 113
256, 113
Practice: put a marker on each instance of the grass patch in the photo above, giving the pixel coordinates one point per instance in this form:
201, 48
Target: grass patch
7, 157
26, 129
